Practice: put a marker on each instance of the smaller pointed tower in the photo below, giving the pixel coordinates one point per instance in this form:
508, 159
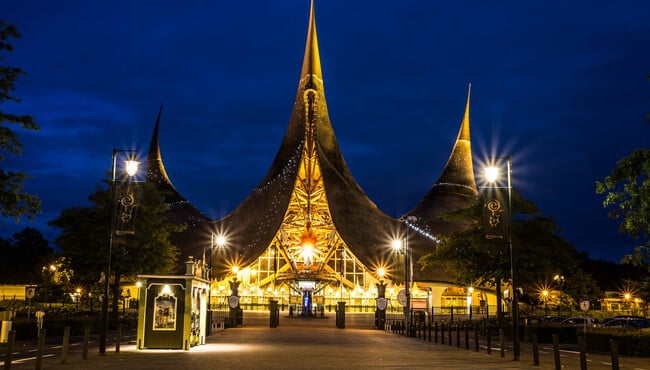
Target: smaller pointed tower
454, 188
192, 240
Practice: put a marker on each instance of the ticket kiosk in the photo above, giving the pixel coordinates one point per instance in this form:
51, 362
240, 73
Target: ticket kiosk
173, 309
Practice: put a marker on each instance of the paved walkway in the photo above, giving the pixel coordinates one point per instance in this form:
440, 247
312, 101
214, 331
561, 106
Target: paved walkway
301, 344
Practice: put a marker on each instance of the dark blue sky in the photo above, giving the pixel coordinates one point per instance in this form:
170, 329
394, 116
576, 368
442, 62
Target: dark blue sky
559, 85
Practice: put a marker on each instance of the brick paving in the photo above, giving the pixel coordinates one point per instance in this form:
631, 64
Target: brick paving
299, 343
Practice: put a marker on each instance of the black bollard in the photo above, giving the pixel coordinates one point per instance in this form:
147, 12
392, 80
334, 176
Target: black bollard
583, 352
449, 334
502, 343
613, 347
466, 336
457, 335
442, 333
435, 331
535, 349
556, 352
489, 341
119, 338
475, 338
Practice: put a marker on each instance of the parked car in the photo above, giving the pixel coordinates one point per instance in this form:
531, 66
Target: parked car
552, 319
627, 322
580, 321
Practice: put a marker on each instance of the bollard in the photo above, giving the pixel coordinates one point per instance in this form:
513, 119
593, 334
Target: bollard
119, 338
613, 347
10, 349
442, 333
489, 341
535, 349
556, 352
435, 331
475, 338
39, 351
457, 335
466, 337
583, 352
66, 344
84, 353
449, 334
429, 331
502, 343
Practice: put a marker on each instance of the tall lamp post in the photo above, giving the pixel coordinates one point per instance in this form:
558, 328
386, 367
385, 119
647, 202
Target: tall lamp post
492, 175
403, 245
220, 241
131, 168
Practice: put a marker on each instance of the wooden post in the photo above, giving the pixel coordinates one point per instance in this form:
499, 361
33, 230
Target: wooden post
65, 345
435, 331
119, 338
535, 349
489, 341
40, 349
84, 354
10, 349
556, 352
582, 340
502, 343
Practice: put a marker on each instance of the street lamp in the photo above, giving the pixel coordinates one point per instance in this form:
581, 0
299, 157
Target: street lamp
402, 245
545, 295
78, 294
131, 165
559, 280
492, 174
470, 292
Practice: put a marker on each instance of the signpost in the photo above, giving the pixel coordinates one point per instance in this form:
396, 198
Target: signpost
30, 291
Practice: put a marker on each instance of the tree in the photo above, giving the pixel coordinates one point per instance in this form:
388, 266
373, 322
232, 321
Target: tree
14, 202
627, 197
541, 252
23, 257
84, 240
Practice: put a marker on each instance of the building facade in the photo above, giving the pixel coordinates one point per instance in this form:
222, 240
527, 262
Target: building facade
309, 236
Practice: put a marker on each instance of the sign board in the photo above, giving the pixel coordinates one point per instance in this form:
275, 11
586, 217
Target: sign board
401, 297
233, 301
30, 291
382, 303
584, 305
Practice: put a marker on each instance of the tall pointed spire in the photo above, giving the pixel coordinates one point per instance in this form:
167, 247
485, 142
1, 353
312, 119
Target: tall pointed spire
463, 133
309, 151
311, 62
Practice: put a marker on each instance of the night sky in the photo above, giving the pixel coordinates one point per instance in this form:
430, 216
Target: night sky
559, 85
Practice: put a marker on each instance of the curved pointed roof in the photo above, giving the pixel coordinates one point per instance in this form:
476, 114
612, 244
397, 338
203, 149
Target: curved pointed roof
252, 225
453, 189
156, 169
191, 240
